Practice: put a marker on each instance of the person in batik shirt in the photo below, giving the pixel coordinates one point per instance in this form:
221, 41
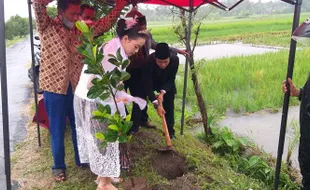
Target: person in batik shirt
61, 67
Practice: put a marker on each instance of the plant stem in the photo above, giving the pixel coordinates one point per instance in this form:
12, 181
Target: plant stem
113, 95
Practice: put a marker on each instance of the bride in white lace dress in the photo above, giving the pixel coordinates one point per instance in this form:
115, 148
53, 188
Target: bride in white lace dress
105, 161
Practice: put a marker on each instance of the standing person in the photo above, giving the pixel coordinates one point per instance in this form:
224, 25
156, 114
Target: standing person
159, 75
140, 117
60, 69
104, 162
302, 35
303, 95
88, 13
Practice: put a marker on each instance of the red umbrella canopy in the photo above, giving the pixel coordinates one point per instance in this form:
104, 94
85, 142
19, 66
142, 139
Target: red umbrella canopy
181, 3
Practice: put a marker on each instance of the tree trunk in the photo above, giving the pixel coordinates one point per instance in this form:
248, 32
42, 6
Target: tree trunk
200, 100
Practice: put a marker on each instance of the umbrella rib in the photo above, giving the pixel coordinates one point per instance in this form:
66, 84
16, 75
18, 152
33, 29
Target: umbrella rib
236, 4
199, 6
292, 2
216, 5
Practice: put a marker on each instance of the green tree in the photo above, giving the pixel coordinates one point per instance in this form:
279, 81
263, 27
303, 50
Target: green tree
16, 26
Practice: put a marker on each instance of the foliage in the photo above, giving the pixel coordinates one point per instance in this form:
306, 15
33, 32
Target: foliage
252, 165
16, 26
257, 168
293, 134
255, 85
102, 9
105, 85
52, 11
224, 142
243, 14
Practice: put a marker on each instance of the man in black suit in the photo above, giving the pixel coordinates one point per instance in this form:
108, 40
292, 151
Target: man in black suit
135, 69
159, 75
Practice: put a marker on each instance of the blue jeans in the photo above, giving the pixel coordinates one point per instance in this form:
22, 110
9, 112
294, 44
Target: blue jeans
58, 107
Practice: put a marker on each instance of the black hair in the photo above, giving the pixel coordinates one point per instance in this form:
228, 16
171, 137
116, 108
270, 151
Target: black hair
133, 32
86, 6
64, 4
162, 51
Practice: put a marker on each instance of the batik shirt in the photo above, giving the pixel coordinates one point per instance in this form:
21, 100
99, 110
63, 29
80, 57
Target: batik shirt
61, 63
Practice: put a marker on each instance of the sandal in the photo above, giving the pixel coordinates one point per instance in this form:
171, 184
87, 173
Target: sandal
59, 175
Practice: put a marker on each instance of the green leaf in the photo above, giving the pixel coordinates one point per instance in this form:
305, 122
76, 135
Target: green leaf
94, 50
88, 52
128, 117
100, 136
111, 137
125, 76
114, 62
120, 87
230, 143
94, 92
112, 56
82, 26
98, 113
253, 160
122, 139
235, 147
125, 64
243, 141
103, 144
113, 127
99, 57
104, 96
217, 144
128, 125
119, 56
100, 40
104, 108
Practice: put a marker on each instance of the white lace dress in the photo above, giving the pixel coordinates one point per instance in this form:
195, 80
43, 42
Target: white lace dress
104, 161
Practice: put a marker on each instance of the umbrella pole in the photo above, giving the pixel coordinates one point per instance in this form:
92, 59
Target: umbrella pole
290, 69
188, 49
4, 95
34, 72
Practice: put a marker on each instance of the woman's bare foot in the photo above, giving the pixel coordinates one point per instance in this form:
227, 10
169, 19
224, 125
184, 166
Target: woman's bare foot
114, 180
105, 184
117, 180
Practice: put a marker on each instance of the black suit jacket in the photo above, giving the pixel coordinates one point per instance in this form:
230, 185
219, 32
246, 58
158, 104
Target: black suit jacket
156, 79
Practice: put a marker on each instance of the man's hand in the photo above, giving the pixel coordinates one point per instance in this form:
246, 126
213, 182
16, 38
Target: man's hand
160, 97
160, 110
183, 52
124, 100
293, 90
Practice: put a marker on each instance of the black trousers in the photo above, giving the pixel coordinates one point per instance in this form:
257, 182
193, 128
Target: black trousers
168, 105
135, 86
304, 161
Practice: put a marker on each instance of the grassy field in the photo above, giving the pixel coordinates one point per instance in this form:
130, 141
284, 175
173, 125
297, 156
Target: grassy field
247, 83
31, 165
257, 30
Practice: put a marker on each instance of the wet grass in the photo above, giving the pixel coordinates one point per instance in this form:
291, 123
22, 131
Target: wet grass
246, 83
265, 30
31, 165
